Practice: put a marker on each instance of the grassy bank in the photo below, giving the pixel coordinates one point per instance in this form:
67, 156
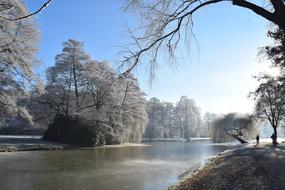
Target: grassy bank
251, 167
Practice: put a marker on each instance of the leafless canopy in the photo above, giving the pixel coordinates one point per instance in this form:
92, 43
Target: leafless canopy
164, 22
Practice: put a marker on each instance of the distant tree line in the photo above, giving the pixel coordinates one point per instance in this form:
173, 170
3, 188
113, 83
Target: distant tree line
182, 120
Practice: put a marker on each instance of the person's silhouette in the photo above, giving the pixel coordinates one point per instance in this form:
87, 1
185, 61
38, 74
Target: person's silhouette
257, 139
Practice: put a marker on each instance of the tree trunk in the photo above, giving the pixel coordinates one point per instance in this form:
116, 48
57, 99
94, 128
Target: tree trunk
75, 86
75, 79
239, 139
274, 137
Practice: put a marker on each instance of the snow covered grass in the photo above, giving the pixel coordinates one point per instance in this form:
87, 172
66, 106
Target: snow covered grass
249, 167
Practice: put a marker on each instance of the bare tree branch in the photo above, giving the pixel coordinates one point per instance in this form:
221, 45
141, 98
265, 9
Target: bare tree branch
165, 19
45, 5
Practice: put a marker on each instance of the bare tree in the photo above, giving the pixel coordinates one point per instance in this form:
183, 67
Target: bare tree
270, 102
7, 5
165, 21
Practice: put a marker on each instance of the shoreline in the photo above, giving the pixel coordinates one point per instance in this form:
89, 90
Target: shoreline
247, 167
16, 143
174, 139
35, 143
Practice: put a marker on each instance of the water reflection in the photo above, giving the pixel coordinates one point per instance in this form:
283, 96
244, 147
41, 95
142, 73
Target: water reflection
127, 168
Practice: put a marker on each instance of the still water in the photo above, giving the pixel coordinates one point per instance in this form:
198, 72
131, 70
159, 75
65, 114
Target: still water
156, 167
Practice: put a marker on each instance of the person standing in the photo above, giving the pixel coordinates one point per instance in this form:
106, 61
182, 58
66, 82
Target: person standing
257, 139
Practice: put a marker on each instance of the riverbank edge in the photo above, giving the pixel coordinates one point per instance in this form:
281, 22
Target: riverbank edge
43, 145
174, 139
235, 158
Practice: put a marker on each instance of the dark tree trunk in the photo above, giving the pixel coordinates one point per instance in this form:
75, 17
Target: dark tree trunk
239, 139
274, 137
75, 86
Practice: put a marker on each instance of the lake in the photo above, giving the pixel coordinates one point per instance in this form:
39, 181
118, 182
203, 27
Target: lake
156, 166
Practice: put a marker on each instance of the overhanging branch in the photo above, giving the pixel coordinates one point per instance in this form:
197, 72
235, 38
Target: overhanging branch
256, 9
45, 5
180, 18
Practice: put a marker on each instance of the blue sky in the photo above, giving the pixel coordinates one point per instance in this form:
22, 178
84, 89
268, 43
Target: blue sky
218, 76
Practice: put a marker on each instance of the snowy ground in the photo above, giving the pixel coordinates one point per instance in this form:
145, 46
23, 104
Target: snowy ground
249, 167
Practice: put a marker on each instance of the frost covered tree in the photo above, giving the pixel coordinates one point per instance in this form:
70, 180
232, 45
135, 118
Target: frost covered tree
154, 119
161, 119
18, 45
234, 126
76, 84
168, 121
106, 107
67, 75
189, 117
133, 108
208, 124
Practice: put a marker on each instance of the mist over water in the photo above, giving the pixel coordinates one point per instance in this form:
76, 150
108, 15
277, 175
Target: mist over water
126, 168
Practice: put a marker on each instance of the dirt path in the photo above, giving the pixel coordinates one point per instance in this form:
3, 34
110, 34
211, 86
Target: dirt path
251, 167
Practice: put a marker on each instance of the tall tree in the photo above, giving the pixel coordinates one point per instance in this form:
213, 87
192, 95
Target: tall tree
67, 74
269, 94
108, 107
153, 110
208, 123
18, 45
168, 119
133, 108
270, 103
189, 117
